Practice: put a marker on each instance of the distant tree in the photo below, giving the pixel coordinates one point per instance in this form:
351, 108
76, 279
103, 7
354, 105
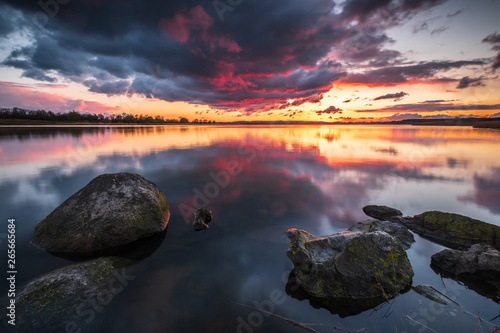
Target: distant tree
184, 120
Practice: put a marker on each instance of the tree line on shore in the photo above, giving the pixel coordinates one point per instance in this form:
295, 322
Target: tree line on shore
75, 116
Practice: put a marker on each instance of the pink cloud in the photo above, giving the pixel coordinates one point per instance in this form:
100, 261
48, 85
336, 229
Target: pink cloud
14, 95
179, 27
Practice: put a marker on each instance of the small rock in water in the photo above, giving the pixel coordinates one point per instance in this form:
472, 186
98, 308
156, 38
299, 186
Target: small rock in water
202, 217
430, 293
382, 213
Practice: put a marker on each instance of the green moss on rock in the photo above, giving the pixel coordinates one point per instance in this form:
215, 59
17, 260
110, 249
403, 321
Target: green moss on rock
455, 230
50, 301
111, 211
349, 264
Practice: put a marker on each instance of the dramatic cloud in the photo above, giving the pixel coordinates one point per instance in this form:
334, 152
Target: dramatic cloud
199, 53
8, 20
494, 39
330, 110
432, 106
13, 95
397, 96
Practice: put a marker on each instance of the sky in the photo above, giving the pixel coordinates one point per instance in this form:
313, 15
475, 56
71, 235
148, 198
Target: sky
230, 60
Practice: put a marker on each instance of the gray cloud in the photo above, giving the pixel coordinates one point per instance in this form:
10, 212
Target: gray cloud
466, 82
494, 39
396, 96
402, 74
432, 106
329, 110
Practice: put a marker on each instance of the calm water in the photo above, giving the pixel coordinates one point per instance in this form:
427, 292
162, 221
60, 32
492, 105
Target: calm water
308, 177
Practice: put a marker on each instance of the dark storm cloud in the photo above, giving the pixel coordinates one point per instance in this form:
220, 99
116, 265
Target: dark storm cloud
396, 96
432, 107
257, 56
9, 20
494, 39
401, 74
466, 82
368, 45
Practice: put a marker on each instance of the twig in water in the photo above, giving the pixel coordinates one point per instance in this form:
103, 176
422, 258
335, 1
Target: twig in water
408, 317
448, 297
278, 316
496, 330
462, 307
496, 316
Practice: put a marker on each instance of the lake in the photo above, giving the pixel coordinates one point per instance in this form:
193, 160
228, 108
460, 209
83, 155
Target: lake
315, 178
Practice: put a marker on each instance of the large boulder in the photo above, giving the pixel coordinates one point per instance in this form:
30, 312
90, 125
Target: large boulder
111, 211
353, 264
72, 295
454, 230
381, 212
398, 231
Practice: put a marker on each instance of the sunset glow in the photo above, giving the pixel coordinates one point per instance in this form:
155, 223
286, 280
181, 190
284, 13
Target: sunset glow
318, 60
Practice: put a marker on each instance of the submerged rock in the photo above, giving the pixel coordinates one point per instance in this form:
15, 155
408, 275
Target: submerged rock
398, 231
430, 293
342, 306
478, 268
202, 217
70, 295
382, 213
349, 264
111, 211
480, 261
454, 230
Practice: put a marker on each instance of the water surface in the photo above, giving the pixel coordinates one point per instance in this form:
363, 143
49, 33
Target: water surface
258, 181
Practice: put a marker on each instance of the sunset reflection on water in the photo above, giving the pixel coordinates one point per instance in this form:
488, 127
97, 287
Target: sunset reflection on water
258, 181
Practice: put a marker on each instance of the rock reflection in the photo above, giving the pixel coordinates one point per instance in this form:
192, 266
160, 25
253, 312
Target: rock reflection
342, 306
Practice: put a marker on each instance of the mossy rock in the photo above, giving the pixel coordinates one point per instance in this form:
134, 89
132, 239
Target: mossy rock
354, 264
111, 211
68, 295
454, 230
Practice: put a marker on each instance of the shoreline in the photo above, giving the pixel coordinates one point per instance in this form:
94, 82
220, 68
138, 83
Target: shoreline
19, 123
